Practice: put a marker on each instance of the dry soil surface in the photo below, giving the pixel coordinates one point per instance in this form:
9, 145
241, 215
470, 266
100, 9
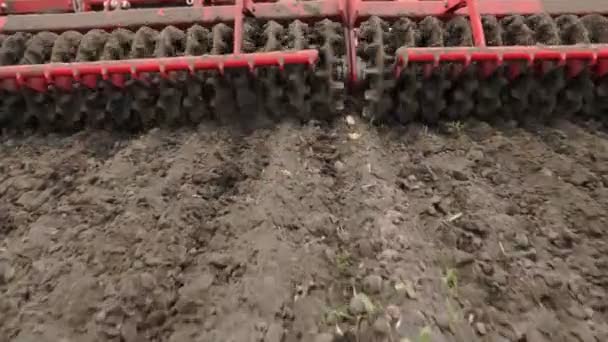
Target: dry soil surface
306, 233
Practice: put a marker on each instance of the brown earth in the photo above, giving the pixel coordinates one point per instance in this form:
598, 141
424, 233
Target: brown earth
294, 233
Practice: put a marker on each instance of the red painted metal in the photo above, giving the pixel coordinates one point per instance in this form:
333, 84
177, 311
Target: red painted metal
158, 3
362, 9
572, 56
591, 53
476, 26
451, 6
350, 12
273, 8
238, 26
35, 6
359, 10
38, 76
133, 19
67, 6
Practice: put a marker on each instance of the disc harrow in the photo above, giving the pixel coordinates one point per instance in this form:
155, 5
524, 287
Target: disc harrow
150, 98
458, 86
140, 65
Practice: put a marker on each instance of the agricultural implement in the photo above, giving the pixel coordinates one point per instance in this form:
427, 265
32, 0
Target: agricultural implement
133, 64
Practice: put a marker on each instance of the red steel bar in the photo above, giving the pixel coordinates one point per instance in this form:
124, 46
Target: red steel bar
35, 6
134, 18
67, 6
591, 53
142, 2
135, 66
38, 76
350, 12
476, 25
452, 6
238, 26
179, 16
362, 9
284, 9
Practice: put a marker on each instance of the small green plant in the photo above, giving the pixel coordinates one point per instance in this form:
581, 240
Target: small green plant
366, 303
424, 335
455, 127
362, 307
453, 314
337, 314
343, 261
451, 279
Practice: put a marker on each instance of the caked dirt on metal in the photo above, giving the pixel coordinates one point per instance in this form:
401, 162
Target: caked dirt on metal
306, 233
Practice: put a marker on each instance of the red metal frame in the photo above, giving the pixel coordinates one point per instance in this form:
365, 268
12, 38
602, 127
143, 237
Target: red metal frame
359, 10
350, 12
177, 16
271, 8
67, 6
38, 77
573, 57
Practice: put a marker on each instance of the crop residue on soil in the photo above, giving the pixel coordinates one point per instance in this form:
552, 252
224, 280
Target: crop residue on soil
305, 233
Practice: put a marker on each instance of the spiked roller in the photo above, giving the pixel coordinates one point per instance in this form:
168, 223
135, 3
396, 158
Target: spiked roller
65, 65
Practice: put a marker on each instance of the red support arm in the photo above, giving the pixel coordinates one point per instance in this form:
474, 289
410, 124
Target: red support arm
592, 55
476, 25
39, 76
238, 26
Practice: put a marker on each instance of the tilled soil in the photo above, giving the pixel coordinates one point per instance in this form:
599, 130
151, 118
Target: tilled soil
306, 233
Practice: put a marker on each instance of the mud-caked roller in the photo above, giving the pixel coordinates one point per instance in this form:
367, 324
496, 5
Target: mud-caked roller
71, 64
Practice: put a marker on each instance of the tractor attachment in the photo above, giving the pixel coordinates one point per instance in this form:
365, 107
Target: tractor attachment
131, 65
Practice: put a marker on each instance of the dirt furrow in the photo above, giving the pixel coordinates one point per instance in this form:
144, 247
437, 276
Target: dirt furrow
586, 147
321, 232
549, 251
